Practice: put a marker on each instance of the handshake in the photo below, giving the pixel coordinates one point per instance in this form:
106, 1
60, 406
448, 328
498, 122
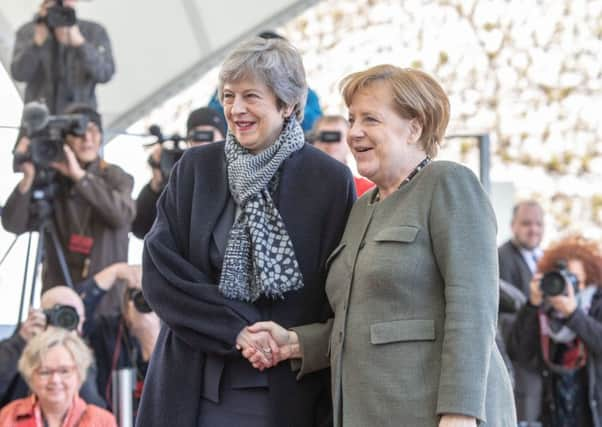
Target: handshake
265, 344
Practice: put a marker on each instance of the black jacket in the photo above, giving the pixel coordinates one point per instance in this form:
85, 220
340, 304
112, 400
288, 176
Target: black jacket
524, 345
314, 197
146, 211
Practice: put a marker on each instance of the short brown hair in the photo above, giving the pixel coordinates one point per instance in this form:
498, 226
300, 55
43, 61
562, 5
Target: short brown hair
416, 95
574, 247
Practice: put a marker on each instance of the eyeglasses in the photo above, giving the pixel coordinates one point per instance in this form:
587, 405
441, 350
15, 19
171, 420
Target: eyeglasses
64, 372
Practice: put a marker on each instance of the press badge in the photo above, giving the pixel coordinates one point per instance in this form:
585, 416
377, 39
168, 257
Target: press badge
80, 244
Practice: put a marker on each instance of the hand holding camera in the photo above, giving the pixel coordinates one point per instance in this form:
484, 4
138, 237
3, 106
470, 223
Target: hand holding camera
61, 20
26, 166
70, 167
33, 325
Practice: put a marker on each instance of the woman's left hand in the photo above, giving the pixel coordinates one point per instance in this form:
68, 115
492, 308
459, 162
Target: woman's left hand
564, 304
452, 420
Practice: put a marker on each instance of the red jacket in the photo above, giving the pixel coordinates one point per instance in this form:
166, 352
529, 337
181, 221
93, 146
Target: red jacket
26, 413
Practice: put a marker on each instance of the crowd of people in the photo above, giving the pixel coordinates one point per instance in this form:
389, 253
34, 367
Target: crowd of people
277, 288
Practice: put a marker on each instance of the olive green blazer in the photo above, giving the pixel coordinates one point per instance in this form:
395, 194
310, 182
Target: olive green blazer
414, 290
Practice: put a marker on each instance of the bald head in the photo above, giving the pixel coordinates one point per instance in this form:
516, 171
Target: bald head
64, 295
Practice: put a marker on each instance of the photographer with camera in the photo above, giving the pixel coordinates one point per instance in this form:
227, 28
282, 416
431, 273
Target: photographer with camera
87, 200
559, 333
329, 135
61, 58
125, 340
204, 125
60, 307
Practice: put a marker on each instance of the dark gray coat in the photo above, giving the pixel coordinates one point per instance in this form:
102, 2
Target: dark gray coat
60, 75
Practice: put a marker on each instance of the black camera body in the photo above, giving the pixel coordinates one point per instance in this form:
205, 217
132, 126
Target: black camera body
556, 282
58, 16
137, 297
47, 134
329, 136
172, 148
201, 136
63, 316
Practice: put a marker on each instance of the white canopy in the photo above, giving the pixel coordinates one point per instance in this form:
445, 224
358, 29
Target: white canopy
159, 47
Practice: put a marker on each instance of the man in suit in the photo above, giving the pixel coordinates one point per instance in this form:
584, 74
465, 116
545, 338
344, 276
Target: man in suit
518, 262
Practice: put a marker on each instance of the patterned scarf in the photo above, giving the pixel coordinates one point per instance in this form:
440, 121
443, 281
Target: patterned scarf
259, 259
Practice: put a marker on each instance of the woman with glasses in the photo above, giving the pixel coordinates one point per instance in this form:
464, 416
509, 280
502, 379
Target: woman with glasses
54, 364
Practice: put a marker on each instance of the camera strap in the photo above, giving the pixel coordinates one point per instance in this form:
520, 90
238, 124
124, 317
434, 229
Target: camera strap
575, 357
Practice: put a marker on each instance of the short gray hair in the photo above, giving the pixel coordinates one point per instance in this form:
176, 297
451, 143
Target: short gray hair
38, 346
276, 63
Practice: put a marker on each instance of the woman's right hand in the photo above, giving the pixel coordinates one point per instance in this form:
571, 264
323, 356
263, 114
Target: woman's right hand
288, 343
260, 345
535, 293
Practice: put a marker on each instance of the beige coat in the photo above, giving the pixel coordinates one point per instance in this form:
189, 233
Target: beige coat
413, 287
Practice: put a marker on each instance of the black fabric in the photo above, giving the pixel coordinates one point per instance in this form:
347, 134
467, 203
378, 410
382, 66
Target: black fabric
126, 353
524, 346
146, 211
515, 272
316, 194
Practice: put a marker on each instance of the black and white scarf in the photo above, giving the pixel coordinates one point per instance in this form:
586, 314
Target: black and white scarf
259, 258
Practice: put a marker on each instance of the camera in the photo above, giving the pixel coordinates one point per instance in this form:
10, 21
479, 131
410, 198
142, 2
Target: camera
47, 134
555, 282
137, 297
329, 136
172, 148
201, 136
63, 316
58, 16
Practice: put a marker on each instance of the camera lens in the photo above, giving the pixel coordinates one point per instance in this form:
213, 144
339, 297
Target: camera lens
552, 283
139, 302
63, 316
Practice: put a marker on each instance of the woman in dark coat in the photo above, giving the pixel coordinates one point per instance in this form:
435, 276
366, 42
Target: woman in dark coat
242, 234
561, 335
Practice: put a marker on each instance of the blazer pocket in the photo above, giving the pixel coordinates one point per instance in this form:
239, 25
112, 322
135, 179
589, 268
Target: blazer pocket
334, 254
402, 330
403, 233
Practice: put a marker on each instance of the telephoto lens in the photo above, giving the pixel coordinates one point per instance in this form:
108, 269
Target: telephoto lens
63, 316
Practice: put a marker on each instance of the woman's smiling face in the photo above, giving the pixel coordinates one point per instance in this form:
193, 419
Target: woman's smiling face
253, 114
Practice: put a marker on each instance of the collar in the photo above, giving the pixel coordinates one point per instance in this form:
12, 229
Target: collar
29, 408
418, 168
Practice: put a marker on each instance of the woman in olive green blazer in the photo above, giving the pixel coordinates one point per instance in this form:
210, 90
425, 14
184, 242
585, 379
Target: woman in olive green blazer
413, 283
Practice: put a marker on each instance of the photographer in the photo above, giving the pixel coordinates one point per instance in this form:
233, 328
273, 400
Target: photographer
126, 340
203, 125
60, 306
329, 135
91, 206
61, 58
559, 333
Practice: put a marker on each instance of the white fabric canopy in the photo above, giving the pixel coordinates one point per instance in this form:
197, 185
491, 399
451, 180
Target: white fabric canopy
159, 47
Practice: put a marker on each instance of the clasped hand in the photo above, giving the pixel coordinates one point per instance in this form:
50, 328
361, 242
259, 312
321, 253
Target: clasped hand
265, 344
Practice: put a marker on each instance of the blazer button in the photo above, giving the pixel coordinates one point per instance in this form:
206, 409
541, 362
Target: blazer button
340, 336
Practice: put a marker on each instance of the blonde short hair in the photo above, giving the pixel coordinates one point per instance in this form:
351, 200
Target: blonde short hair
416, 95
38, 346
